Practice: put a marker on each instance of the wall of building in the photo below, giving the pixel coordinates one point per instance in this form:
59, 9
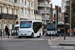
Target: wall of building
9, 8
44, 8
27, 9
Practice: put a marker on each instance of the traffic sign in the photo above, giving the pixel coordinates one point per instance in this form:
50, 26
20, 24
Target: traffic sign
54, 18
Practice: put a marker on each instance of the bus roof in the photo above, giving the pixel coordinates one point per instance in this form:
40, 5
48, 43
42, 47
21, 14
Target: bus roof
32, 20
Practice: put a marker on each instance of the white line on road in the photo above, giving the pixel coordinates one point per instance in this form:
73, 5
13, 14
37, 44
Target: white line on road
49, 42
63, 47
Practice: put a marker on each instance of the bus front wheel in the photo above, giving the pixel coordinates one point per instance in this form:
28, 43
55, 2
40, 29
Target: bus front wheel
19, 37
32, 35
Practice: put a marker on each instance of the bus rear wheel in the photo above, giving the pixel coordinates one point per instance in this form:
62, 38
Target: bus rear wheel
39, 35
19, 37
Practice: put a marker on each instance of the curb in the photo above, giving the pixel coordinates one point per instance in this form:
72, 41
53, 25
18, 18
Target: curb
66, 44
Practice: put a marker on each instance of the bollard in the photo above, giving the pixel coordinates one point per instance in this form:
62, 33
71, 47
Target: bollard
53, 36
8, 35
50, 36
16, 32
1, 34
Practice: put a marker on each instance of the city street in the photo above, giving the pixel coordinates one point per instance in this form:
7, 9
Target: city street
43, 43
37, 18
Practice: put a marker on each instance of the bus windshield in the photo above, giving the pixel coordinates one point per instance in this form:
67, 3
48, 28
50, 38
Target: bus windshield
50, 27
25, 24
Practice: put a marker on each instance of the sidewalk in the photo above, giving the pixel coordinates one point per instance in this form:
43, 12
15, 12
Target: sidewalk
70, 41
6, 38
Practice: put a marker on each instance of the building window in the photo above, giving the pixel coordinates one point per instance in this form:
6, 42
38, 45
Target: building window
7, 10
21, 2
10, 0
28, 12
16, 11
25, 2
25, 11
21, 11
1, 9
28, 3
12, 11
31, 4
15, 1
32, 12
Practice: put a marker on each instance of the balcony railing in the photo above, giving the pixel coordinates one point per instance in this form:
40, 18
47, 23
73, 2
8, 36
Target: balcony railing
43, 5
8, 16
45, 18
9, 3
45, 11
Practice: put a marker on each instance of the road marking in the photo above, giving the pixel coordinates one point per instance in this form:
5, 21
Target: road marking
55, 38
49, 42
68, 47
64, 47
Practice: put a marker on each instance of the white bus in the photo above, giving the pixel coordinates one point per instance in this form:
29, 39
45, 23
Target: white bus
50, 29
31, 28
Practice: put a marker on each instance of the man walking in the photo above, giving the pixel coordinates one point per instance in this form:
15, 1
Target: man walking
7, 31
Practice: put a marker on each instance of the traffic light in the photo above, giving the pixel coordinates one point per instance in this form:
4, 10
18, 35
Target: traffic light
66, 13
66, 19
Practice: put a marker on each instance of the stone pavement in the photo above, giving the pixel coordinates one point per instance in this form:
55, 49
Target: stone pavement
70, 41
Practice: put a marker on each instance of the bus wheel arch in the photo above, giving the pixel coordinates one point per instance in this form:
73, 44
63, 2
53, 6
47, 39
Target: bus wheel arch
39, 35
32, 35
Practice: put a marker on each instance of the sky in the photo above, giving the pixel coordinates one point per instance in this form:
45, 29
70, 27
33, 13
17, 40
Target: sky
56, 2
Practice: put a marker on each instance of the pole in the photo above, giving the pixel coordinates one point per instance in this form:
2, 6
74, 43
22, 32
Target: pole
1, 24
70, 18
2, 29
16, 31
57, 21
64, 27
35, 14
1, 33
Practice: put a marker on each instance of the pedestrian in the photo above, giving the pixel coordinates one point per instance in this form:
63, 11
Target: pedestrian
68, 32
7, 31
73, 32
45, 31
62, 32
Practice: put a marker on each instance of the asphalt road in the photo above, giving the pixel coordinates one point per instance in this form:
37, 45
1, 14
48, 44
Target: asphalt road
30, 44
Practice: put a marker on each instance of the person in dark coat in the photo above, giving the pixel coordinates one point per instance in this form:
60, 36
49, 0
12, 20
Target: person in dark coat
7, 31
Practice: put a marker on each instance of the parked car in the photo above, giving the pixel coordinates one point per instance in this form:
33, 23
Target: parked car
15, 30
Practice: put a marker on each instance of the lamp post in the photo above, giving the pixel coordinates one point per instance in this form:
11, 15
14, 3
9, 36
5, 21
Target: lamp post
70, 17
35, 14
